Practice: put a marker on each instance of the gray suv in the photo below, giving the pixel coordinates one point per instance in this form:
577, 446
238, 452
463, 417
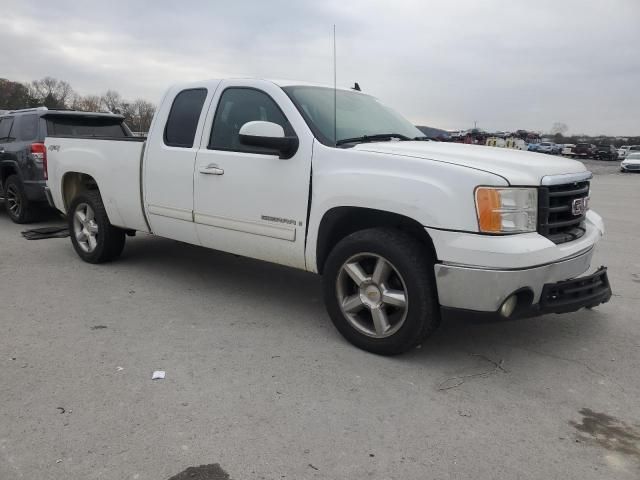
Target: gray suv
23, 157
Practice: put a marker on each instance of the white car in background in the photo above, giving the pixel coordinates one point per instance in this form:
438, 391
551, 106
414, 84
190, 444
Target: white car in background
567, 149
545, 147
628, 149
631, 163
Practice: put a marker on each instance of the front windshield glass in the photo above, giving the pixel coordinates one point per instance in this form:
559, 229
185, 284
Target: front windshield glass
357, 114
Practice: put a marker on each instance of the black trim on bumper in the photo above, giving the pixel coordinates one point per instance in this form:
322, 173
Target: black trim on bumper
572, 295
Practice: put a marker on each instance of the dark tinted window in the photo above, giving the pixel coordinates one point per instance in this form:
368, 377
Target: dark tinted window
238, 106
27, 127
79, 126
5, 128
183, 118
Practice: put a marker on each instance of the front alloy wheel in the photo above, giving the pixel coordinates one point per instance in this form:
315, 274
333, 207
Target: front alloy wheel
372, 295
380, 291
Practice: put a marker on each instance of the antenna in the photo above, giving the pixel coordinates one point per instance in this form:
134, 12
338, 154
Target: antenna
335, 97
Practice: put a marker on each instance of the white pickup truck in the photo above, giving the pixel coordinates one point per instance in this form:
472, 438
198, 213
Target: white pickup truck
402, 229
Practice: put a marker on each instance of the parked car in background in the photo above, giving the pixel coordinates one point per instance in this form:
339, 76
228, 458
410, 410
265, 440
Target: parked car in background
606, 152
23, 156
545, 147
587, 150
557, 149
622, 152
567, 149
631, 163
631, 149
533, 147
400, 228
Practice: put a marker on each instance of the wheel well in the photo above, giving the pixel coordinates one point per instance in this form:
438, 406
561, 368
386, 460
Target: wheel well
340, 222
6, 172
74, 183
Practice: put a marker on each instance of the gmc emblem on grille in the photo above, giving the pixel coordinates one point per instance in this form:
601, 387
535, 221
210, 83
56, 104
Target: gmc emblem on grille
579, 206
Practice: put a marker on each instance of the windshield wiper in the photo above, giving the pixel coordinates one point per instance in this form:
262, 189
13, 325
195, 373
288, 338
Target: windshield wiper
372, 138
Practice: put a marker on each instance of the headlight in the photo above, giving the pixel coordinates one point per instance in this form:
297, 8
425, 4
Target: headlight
507, 210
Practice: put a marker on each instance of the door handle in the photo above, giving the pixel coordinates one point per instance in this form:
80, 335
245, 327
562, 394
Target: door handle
211, 169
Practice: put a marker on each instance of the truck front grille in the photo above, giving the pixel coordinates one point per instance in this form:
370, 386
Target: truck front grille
556, 219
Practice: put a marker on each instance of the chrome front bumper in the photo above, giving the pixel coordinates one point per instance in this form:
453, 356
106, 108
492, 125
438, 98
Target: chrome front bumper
485, 289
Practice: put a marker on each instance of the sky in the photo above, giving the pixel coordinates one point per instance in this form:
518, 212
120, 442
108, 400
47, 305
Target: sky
503, 64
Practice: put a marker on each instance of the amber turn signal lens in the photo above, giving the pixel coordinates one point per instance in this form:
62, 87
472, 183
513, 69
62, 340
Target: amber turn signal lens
488, 206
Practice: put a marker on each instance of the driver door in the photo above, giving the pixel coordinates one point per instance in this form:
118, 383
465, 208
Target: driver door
247, 200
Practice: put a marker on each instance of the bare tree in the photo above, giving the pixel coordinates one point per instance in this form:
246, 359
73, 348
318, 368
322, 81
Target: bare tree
51, 93
91, 103
112, 101
142, 114
559, 128
14, 95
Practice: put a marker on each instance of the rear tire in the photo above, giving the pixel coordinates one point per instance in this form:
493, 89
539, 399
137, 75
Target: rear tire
18, 206
394, 305
93, 237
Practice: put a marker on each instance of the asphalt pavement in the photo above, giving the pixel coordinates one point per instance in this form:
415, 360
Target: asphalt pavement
259, 385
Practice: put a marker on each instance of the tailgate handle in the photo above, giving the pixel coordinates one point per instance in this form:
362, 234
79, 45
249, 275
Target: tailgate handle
212, 169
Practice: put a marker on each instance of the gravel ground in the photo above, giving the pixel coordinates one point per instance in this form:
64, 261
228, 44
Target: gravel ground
259, 383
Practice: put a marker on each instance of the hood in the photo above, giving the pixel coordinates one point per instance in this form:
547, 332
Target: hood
518, 167
631, 161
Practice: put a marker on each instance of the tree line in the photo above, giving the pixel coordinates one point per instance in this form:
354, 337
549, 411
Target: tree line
58, 94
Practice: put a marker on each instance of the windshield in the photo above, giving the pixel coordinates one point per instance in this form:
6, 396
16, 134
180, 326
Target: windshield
357, 115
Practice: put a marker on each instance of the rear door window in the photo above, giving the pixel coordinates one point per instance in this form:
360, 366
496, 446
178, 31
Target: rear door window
28, 128
182, 123
5, 129
80, 126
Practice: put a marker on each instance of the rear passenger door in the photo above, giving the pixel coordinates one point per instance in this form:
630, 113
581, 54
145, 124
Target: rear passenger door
168, 172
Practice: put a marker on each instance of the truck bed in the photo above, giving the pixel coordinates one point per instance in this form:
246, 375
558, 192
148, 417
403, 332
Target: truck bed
114, 163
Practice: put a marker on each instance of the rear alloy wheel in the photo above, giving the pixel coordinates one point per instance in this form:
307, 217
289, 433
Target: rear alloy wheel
85, 228
380, 290
16, 202
93, 237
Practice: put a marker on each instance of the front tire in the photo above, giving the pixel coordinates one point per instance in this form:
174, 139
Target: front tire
93, 237
380, 290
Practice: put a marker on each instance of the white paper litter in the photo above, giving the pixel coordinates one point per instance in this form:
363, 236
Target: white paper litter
158, 375
119, 369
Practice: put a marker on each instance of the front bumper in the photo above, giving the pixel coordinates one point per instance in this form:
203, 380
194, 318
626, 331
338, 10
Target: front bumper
485, 290
528, 266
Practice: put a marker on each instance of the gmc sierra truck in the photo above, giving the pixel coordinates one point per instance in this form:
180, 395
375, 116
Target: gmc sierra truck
334, 182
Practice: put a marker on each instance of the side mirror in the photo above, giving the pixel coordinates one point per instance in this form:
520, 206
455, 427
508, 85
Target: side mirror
268, 135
